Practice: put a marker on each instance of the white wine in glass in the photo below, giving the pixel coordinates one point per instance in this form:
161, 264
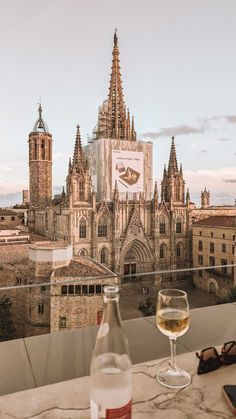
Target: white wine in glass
173, 320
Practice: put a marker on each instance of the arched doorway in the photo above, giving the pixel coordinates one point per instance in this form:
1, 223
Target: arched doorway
135, 258
130, 264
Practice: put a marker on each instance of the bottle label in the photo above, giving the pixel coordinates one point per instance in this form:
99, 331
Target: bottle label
123, 412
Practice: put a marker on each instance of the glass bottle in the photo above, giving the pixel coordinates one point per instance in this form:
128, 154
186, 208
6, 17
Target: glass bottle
111, 365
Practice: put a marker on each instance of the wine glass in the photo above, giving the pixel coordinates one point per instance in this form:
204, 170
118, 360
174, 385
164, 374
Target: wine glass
173, 320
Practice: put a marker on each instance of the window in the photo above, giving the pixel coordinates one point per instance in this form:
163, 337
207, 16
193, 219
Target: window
62, 321
71, 289
91, 289
82, 228
104, 256
84, 289
64, 289
83, 253
40, 308
12, 218
81, 190
223, 236
233, 249
211, 261
162, 227
43, 289
200, 260
2, 218
178, 250
223, 248
98, 289
200, 233
78, 289
102, 228
200, 274
212, 247
43, 150
178, 227
211, 234
200, 247
233, 237
224, 268
162, 251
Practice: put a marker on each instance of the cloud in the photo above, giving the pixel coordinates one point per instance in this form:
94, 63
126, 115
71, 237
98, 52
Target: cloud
230, 118
229, 180
224, 139
5, 167
204, 151
183, 129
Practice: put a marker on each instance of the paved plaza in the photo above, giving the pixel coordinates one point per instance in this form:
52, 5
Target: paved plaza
131, 294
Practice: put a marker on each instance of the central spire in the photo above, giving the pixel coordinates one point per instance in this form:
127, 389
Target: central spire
113, 122
116, 104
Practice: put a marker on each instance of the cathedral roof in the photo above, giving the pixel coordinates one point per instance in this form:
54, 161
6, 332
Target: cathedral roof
40, 125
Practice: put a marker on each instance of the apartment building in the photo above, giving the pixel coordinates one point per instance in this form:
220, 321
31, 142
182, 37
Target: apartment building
214, 249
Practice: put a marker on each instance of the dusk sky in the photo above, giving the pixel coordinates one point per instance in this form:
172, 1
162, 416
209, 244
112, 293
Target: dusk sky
178, 66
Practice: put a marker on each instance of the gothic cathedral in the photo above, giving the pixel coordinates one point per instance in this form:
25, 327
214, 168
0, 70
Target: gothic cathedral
110, 211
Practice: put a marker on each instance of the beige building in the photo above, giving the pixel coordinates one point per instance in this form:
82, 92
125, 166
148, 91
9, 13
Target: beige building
73, 297
214, 247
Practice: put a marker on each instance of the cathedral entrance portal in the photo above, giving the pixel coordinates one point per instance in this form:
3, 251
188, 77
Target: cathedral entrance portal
136, 259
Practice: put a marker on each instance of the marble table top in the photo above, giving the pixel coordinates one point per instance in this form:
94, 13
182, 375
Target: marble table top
70, 399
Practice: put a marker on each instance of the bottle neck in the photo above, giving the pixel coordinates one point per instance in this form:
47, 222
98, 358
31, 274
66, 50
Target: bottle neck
111, 313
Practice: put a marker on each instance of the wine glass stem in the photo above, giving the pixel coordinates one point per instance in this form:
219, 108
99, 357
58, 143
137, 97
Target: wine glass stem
173, 352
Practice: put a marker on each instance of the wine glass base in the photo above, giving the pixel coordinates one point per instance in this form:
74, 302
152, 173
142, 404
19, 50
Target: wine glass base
174, 378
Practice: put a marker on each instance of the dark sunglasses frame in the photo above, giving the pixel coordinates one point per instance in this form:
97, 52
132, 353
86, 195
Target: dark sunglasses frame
213, 360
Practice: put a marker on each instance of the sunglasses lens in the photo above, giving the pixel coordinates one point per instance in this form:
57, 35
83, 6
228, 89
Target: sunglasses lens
230, 348
209, 353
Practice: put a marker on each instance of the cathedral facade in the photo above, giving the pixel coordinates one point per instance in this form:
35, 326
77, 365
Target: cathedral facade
110, 210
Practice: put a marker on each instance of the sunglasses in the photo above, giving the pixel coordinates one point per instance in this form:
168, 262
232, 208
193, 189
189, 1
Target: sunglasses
210, 360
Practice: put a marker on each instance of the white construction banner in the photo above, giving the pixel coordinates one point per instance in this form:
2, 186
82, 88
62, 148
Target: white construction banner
127, 170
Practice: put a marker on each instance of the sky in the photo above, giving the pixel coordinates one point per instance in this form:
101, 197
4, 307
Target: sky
178, 66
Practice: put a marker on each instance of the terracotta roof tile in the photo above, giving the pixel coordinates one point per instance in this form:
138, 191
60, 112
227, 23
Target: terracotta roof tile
218, 221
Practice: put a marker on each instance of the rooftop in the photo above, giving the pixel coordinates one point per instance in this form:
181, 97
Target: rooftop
81, 267
218, 221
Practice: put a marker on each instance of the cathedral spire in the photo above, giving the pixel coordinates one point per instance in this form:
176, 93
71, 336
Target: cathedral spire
113, 122
116, 104
173, 165
40, 125
78, 157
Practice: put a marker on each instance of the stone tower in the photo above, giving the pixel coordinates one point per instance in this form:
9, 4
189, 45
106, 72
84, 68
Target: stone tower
40, 164
205, 198
173, 184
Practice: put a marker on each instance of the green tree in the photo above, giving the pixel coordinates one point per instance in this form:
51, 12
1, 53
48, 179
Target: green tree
232, 295
7, 329
149, 307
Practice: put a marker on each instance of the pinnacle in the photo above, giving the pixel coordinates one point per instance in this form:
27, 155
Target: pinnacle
173, 165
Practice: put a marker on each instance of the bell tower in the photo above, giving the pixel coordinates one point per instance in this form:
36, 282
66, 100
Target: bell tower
40, 164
